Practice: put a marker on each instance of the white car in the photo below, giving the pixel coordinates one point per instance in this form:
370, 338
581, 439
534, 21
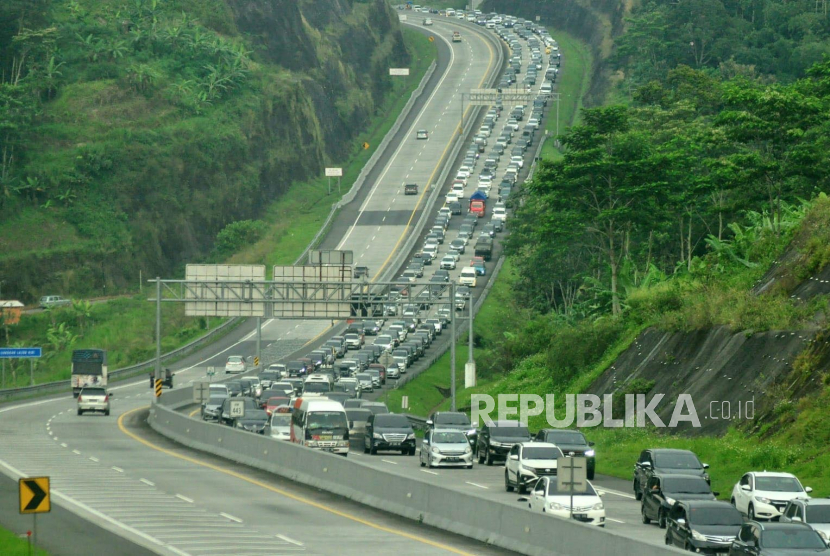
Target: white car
446, 449
278, 368
464, 173
448, 263
235, 365
452, 197
527, 462
93, 398
499, 213
279, 427
458, 189
547, 499
764, 495
517, 159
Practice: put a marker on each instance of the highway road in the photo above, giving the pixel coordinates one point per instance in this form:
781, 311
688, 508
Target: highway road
155, 494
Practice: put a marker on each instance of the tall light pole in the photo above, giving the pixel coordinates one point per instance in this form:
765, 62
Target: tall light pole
452, 345
470, 367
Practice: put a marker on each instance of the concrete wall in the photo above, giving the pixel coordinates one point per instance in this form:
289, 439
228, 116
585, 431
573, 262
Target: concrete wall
497, 523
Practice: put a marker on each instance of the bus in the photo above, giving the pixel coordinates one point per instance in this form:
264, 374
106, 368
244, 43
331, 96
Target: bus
320, 423
89, 368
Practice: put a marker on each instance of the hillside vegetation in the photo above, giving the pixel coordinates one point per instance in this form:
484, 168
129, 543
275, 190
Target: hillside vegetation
133, 132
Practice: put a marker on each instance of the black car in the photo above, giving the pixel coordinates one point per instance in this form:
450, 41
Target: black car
296, 368
662, 491
665, 461
389, 431
225, 412
454, 421
455, 207
777, 539
234, 388
360, 272
703, 526
496, 438
571, 441
254, 421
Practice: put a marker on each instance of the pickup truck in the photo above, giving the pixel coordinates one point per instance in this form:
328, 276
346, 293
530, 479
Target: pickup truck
49, 301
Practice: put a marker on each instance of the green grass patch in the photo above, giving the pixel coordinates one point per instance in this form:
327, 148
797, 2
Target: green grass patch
295, 218
573, 85
12, 545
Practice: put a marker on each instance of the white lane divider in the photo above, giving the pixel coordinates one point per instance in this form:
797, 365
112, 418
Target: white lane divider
185, 498
76, 452
289, 540
614, 520
477, 485
388, 461
117, 469
148, 483
63, 444
229, 516
430, 472
92, 458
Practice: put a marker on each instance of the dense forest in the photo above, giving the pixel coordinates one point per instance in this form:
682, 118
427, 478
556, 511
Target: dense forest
133, 131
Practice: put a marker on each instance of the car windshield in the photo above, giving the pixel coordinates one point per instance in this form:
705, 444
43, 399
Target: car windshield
715, 516
678, 460
449, 438
255, 415
281, 420
565, 437
326, 419
452, 419
216, 401
778, 484
392, 421
360, 415
268, 375
686, 486
316, 387
792, 538
518, 432
93, 392
530, 452
364, 376
235, 359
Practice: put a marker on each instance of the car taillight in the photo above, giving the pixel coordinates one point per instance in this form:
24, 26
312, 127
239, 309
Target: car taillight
80, 398
107, 398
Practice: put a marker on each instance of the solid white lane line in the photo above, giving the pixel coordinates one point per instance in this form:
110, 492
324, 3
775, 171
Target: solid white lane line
616, 492
229, 516
477, 485
289, 540
185, 498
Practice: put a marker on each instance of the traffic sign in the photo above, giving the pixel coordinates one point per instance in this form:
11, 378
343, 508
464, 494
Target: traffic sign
237, 408
256, 361
431, 38
159, 382
572, 474
334, 172
34, 495
365, 145
20, 353
398, 71
211, 371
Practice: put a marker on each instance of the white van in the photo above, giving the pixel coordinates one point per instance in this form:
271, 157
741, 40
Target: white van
322, 424
546, 89
468, 277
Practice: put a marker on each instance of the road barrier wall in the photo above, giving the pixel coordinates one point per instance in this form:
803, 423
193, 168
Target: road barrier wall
506, 525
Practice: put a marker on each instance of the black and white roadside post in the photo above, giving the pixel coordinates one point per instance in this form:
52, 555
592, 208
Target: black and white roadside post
571, 475
158, 333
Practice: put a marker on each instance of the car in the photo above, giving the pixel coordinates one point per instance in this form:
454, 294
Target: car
278, 426
815, 512
254, 420
478, 264
764, 495
455, 207
365, 382
411, 310
445, 448
662, 491
545, 497
248, 403
773, 539
421, 134
427, 22
354, 341
703, 526
358, 417
665, 461
51, 301
273, 403
452, 197
360, 272
448, 263
410, 189
235, 365
211, 408
389, 431
571, 441
527, 462
95, 399
458, 245
496, 438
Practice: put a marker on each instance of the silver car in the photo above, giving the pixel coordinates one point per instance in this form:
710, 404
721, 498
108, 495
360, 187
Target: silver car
446, 449
279, 427
93, 398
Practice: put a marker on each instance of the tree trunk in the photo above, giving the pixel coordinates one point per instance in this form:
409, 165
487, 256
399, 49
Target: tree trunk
682, 242
689, 245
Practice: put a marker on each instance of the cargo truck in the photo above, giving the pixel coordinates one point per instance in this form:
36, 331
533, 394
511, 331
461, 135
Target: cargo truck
478, 204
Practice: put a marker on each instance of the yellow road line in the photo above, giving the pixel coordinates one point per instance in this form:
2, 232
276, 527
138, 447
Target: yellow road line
260, 484
432, 176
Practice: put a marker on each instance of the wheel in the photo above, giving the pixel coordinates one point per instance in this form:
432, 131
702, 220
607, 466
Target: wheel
480, 457
646, 519
667, 540
107, 413
637, 494
661, 519
423, 464
489, 460
520, 487
590, 474
507, 486
80, 412
412, 451
372, 449
733, 502
750, 514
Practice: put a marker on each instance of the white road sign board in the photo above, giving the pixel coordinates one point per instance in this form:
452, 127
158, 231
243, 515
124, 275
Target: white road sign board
398, 71
237, 408
334, 172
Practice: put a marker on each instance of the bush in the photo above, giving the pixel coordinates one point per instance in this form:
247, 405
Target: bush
238, 234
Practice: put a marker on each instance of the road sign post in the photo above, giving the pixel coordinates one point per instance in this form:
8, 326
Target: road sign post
34, 499
201, 392
210, 372
572, 474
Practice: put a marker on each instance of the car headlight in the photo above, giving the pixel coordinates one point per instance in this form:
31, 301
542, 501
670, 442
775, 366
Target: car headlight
410, 436
556, 506
342, 443
762, 500
436, 450
311, 443
589, 453
471, 432
598, 506
467, 449
670, 500
697, 536
377, 436
495, 444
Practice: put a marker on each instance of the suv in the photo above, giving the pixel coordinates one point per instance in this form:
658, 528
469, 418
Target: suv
571, 441
665, 461
705, 526
496, 438
410, 189
814, 512
93, 398
662, 491
49, 301
527, 462
778, 538
388, 431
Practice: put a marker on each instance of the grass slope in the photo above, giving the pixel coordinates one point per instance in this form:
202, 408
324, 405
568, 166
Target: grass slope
12, 545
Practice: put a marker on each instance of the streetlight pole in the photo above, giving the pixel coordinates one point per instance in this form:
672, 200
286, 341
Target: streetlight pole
452, 345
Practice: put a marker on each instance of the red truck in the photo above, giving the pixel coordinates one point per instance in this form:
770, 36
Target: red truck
478, 204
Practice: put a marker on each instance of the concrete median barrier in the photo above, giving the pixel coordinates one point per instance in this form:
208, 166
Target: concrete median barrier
503, 524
